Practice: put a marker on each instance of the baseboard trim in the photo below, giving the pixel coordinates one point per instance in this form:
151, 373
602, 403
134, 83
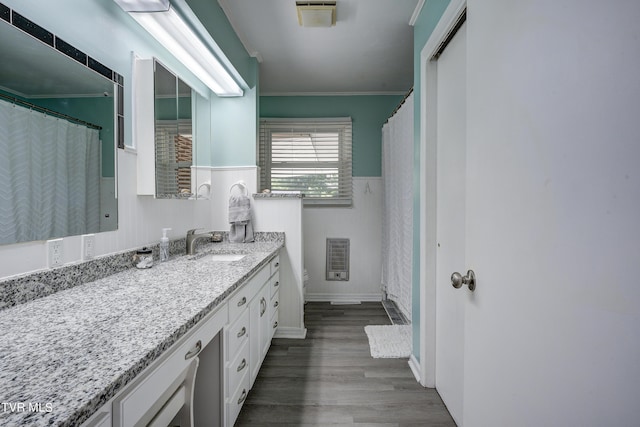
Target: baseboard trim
343, 298
415, 368
291, 333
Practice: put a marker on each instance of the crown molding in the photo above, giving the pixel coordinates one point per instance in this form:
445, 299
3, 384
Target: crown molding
372, 93
416, 13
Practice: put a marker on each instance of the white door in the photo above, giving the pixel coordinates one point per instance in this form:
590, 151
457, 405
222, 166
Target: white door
550, 335
451, 176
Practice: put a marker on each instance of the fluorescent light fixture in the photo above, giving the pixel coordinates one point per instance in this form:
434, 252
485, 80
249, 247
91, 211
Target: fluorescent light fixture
144, 5
168, 27
316, 13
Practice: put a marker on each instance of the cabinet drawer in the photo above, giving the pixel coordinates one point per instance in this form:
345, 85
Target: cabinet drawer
237, 368
156, 383
274, 264
239, 302
274, 323
274, 305
235, 402
237, 334
275, 283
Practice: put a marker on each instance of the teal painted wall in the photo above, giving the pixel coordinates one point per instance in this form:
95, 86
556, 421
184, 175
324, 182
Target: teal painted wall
234, 128
368, 112
427, 20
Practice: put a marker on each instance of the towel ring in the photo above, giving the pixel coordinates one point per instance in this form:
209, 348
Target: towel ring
241, 185
208, 190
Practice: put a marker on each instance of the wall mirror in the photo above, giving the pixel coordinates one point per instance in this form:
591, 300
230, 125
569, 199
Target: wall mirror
174, 142
59, 126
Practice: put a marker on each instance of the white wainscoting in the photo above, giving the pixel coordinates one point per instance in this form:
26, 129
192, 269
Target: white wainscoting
285, 215
362, 224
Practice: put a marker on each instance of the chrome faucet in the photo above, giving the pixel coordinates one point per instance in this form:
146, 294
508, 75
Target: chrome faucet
192, 238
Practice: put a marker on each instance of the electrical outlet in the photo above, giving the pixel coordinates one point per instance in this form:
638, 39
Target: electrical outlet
54, 253
88, 246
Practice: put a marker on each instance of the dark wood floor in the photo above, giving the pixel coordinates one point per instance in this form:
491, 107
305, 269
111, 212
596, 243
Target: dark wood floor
330, 378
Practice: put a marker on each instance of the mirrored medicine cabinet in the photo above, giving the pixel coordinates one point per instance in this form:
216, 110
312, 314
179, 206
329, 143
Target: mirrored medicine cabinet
166, 140
173, 134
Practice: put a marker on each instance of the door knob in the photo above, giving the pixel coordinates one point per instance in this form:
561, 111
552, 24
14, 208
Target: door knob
457, 280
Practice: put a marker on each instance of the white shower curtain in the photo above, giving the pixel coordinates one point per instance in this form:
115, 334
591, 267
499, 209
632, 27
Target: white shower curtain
397, 230
49, 176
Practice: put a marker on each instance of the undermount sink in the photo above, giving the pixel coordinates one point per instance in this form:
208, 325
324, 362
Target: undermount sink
226, 257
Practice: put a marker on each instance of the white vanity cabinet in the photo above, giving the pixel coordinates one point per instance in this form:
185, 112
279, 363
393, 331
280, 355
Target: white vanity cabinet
205, 377
264, 312
245, 358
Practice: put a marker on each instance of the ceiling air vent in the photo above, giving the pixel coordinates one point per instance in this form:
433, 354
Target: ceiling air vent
338, 259
316, 13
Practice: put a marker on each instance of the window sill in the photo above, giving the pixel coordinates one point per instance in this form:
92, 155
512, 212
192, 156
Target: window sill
327, 203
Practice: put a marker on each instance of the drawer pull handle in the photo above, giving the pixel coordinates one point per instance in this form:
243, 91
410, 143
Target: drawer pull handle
277, 264
243, 397
242, 332
242, 365
194, 351
276, 284
275, 325
242, 302
276, 304
263, 306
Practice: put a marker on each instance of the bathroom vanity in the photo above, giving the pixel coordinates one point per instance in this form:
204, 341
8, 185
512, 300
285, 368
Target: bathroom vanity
181, 341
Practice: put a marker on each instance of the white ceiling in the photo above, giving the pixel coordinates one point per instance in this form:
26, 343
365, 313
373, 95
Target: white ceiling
369, 50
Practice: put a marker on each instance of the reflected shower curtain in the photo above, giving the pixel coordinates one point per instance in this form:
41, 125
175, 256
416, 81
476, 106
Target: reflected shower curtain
49, 176
397, 213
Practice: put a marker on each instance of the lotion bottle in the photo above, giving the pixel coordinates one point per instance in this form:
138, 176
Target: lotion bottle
164, 245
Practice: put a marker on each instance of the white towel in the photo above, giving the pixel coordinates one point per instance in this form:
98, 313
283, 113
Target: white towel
239, 209
241, 233
240, 219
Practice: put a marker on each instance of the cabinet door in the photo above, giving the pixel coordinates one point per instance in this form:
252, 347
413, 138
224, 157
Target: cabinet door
254, 338
259, 338
265, 322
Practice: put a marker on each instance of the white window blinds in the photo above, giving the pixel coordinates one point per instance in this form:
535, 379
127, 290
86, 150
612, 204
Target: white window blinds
312, 156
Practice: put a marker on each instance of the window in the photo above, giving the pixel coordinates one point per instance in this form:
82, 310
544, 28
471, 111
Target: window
312, 156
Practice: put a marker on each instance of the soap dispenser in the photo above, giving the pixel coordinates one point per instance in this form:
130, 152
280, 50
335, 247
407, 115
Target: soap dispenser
164, 245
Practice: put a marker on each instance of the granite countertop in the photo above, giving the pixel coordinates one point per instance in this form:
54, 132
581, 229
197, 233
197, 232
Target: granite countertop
65, 355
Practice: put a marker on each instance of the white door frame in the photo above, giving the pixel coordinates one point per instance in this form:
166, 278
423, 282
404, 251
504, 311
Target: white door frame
428, 186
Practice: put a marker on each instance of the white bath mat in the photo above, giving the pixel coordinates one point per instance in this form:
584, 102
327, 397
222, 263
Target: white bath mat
389, 341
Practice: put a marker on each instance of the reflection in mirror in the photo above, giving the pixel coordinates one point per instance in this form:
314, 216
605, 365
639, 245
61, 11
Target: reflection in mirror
57, 135
173, 135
